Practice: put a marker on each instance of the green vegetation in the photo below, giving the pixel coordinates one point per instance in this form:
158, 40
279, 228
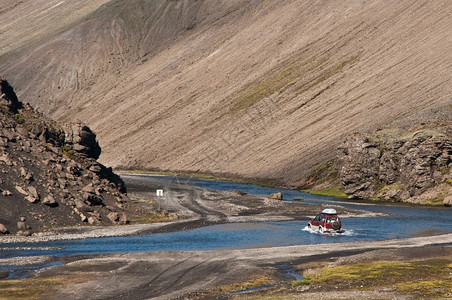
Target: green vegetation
331, 191
197, 175
153, 216
327, 73
253, 282
423, 133
325, 175
263, 88
38, 288
431, 277
300, 282
300, 73
432, 288
29, 288
19, 118
68, 151
397, 186
357, 272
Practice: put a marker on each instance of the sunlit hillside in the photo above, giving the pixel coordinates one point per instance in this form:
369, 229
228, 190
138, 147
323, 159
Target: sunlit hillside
258, 89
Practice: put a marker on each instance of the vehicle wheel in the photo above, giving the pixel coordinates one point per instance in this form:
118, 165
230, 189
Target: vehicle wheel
309, 226
336, 226
321, 229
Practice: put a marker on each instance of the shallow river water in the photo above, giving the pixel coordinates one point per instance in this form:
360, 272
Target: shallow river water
395, 221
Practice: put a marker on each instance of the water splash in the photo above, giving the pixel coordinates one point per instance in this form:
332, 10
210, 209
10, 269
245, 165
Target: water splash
349, 232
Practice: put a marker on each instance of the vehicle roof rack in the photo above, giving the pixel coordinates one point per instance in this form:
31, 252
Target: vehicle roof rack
329, 211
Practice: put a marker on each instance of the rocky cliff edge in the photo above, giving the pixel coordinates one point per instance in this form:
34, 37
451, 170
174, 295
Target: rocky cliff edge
398, 165
49, 175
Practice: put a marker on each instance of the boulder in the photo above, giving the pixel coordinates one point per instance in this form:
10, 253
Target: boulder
49, 201
37, 157
6, 160
448, 200
96, 168
93, 199
276, 196
89, 189
6, 193
31, 199
26, 174
21, 190
24, 233
21, 225
83, 218
3, 229
113, 217
33, 192
93, 220
124, 219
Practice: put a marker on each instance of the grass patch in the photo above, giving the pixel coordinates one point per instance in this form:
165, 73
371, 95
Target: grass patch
28, 288
430, 288
38, 288
300, 74
152, 218
68, 151
253, 282
425, 278
331, 191
19, 118
437, 202
356, 272
300, 282
397, 186
197, 176
276, 81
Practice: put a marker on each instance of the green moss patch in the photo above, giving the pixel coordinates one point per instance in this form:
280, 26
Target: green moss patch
29, 288
331, 191
300, 74
426, 278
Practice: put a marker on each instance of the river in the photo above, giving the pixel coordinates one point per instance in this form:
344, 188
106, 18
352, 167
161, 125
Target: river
394, 221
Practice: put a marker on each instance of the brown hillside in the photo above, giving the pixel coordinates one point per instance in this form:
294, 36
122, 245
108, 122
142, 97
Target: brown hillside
264, 89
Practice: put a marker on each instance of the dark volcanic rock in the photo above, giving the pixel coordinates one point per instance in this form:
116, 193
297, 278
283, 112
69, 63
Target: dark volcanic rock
399, 168
49, 176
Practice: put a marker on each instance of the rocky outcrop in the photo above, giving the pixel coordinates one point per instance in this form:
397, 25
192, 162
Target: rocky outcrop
8, 96
82, 140
414, 167
49, 175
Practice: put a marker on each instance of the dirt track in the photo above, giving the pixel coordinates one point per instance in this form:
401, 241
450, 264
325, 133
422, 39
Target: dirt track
186, 274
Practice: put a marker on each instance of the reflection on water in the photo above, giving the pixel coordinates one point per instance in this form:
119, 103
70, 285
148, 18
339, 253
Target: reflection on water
24, 271
344, 232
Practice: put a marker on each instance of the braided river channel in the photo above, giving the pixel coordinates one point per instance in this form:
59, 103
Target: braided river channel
383, 221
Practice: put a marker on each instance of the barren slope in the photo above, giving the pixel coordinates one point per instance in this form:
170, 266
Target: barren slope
264, 89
